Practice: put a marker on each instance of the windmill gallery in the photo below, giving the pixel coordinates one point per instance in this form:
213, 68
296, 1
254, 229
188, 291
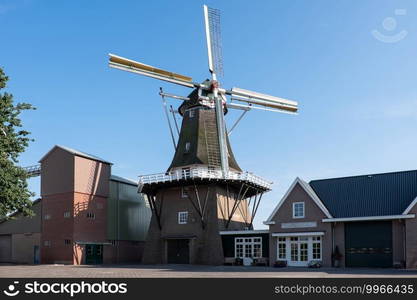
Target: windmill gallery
201, 209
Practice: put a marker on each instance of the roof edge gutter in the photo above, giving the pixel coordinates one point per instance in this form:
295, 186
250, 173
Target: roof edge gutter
371, 218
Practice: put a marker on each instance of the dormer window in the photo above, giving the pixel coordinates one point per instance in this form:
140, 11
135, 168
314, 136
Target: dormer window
298, 210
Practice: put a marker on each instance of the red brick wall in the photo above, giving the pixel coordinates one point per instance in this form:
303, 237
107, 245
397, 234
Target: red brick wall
86, 229
57, 229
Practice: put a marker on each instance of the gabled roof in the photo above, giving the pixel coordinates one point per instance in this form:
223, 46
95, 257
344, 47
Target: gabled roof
77, 153
308, 190
383, 194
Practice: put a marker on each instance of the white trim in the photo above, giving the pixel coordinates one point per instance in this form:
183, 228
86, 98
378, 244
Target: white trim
372, 218
407, 210
243, 232
285, 234
308, 190
298, 225
293, 210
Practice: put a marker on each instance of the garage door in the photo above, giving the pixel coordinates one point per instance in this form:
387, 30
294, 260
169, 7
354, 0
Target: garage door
5, 248
368, 244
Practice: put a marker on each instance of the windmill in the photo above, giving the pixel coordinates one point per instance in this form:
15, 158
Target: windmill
220, 195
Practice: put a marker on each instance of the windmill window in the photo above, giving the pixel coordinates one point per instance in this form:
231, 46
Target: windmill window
184, 192
191, 113
187, 147
182, 217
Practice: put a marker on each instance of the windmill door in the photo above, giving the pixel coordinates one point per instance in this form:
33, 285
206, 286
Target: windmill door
178, 251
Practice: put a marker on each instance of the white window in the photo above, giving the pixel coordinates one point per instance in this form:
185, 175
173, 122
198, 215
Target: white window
298, 210
47, 217
191, 113
316, 245
187, 147
182, 217
282, 248
67, 214
248, 247
47, 243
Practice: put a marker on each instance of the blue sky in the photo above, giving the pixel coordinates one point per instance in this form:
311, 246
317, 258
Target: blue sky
357, 94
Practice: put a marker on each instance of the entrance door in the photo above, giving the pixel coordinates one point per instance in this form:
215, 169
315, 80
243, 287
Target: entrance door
93, 254
299, 251
36, 259
178, 251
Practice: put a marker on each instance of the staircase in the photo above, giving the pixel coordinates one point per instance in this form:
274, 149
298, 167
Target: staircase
212, 143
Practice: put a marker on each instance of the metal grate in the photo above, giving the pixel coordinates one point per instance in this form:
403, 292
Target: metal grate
215, 37
33, 171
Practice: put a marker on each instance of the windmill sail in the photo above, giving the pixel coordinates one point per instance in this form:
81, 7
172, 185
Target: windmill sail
213, 37
129, 65
263, 100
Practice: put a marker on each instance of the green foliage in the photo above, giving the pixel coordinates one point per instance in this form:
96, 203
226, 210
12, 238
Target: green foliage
14, 192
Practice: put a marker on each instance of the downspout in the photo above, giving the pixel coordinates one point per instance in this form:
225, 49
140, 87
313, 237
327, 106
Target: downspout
331, 256
118, 223
405, 243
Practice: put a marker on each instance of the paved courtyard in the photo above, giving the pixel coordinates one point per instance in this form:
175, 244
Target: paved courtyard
187, 271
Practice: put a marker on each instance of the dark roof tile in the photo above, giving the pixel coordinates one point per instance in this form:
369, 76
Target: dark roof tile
367, 195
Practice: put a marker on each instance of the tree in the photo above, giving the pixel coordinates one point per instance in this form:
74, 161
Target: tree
14, 191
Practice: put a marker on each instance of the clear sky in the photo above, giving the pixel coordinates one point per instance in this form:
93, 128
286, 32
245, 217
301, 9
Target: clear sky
357, 90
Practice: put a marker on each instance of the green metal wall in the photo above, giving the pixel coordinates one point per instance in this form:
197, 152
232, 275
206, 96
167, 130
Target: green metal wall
128, 214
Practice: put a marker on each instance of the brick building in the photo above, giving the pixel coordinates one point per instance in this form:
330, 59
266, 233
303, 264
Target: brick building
85, 215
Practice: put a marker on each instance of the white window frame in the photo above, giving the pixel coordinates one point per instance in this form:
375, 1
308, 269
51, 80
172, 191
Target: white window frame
293, 210
242, 240
67, 214
182, 217
191, 113
282, 241
47, 217
297, 241
47, 243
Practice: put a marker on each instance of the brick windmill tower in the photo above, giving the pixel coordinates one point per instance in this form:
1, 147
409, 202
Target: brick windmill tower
204, 191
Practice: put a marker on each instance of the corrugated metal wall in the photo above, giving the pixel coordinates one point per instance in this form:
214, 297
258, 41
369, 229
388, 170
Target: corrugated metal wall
128, 214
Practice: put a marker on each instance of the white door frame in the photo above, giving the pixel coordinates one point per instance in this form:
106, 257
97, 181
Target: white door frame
298, 242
